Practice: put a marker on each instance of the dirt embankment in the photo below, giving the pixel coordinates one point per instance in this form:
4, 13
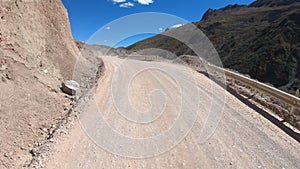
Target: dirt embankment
37, 53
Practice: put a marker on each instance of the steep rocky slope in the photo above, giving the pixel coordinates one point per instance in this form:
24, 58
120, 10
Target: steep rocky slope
272, 3
262, 40
37, 52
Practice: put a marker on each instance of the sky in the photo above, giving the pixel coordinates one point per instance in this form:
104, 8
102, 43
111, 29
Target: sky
119, 23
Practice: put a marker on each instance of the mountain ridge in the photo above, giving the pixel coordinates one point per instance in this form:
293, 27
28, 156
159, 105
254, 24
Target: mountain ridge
273, 3
262, 42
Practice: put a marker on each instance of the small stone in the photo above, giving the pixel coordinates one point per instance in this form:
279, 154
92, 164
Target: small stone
3, 67
76, 98
231, 163
65, 108
33, 152
54, 90
3, 79
8, 76
5, 155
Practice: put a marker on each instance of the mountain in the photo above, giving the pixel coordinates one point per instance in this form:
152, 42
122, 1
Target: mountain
273, 3
261, 40
99, 50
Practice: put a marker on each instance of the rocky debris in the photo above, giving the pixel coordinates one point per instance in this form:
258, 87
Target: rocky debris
41, 151
195, 62
275, 105
70, 87
295, 117
5, 70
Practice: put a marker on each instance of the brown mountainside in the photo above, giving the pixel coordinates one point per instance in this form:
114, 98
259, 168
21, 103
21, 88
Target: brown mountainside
262, 40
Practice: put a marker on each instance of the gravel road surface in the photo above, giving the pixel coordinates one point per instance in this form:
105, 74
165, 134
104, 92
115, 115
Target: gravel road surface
163, 115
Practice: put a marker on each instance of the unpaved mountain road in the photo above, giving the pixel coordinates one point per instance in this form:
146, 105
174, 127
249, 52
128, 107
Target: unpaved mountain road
242, 139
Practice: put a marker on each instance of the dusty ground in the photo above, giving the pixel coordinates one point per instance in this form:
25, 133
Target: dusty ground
243, 138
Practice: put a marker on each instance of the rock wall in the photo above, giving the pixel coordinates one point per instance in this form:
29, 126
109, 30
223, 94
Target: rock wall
37, 52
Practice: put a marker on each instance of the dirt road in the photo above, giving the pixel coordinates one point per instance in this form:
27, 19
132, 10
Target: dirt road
161, 115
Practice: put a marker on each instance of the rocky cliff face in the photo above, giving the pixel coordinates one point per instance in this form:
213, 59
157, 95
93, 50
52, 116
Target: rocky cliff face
262, 40
35, 31
37, 52
273, 3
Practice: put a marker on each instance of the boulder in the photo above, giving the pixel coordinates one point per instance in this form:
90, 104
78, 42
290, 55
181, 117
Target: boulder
70, 87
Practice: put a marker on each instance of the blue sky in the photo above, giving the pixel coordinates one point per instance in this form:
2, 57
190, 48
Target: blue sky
91, 19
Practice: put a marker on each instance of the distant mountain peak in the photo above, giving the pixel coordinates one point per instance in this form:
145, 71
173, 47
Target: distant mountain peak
211, 11
273, 3
208, 13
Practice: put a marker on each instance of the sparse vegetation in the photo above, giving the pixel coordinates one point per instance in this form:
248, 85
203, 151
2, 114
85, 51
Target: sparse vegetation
257, 40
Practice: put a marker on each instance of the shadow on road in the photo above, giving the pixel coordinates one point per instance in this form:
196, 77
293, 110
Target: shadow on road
275, 121
262, 112
265, 114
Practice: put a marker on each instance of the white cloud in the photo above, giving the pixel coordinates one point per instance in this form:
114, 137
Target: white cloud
127, 5
160, 29
176, 26
145, 2
118, 1
108, 28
